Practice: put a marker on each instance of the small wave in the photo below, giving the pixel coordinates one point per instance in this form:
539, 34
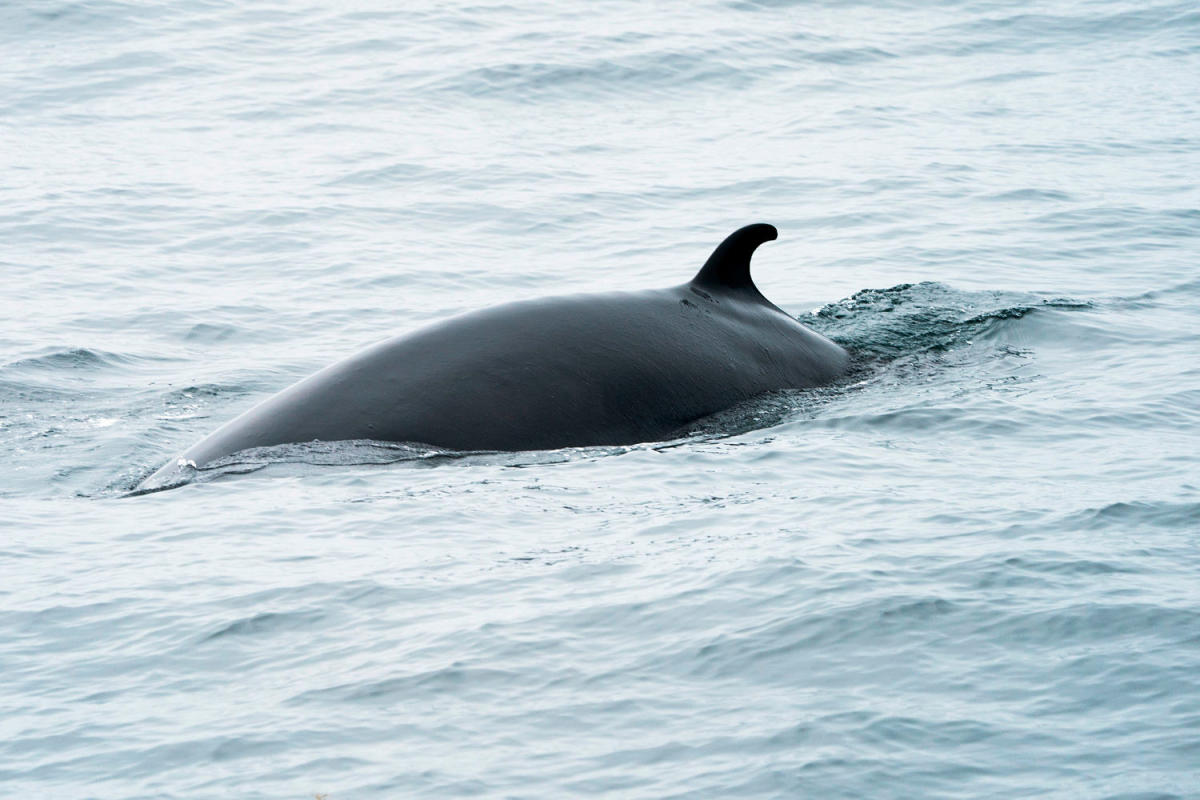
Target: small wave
599, 77
206, 333
876, 620
1126, 516
66, 17
1187, 290
406, 688
848, 55
346, 453
392, 174
76, 358
1105, 222
1030, 195
1007, 77
1065, 566
188, 393
267, 623
319, 454
1089, 622
1031, 32
940, 419
12, 392
909, 319
367, 452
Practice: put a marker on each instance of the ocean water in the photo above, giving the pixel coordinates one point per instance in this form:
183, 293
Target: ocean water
970, 571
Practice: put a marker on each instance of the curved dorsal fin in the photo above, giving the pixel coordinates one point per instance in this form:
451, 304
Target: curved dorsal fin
729, 265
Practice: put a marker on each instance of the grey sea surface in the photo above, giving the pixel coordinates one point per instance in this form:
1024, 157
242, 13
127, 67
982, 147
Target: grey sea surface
970, 571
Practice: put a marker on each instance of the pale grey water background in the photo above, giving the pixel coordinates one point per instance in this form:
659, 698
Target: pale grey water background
974, 571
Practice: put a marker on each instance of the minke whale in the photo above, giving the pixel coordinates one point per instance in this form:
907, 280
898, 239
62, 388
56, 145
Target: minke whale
614, 368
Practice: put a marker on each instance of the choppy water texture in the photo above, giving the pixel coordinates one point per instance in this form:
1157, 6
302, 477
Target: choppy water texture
971, 571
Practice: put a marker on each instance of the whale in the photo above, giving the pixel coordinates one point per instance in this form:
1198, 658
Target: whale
611, 368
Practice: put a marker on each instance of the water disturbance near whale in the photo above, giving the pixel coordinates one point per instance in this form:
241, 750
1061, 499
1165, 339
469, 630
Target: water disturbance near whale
612, 368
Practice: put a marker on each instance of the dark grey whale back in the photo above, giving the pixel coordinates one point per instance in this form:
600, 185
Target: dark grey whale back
593, 369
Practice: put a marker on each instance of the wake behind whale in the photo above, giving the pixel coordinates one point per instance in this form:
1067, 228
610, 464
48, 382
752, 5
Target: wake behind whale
580, 370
